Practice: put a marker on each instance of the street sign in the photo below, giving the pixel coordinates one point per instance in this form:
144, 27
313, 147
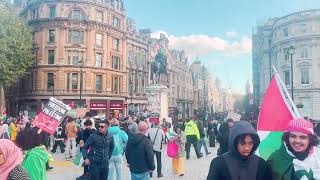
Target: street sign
51, 116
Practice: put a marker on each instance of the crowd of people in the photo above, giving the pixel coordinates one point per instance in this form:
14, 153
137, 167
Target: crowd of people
105, 145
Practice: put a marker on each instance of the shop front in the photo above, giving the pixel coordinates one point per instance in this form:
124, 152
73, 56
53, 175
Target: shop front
98, 108
116, 108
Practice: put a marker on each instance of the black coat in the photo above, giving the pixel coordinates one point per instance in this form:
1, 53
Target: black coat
233, 165
101, 146
139, 154
219, 170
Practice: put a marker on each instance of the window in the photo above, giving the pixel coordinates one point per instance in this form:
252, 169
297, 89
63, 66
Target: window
303, 28
69, 57
98, 60
50, 83
74, 83
116, 22
116, 62
116, 43
285, 32
75, 57
286, 54
52, 12
76, 37
304, 52
305, 76
116, 85
112, 3
99, 39
76, 15
99, 16
52, 34
287, 77
35, 14
98, 83
50, 56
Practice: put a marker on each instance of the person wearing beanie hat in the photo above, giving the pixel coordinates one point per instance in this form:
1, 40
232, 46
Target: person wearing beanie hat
298, 157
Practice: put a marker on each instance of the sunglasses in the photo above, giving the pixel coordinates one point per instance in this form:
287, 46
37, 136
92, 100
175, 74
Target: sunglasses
102, 127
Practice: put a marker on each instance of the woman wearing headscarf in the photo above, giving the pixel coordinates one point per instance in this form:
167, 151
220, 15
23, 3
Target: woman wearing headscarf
10, 162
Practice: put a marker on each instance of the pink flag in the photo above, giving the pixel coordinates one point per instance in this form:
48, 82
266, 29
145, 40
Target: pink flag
275, 113
4, 112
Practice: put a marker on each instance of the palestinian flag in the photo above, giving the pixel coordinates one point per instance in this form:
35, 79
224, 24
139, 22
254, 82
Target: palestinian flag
277, 110
4, 114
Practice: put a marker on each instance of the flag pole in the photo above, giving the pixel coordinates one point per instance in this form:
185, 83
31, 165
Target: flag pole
294, 108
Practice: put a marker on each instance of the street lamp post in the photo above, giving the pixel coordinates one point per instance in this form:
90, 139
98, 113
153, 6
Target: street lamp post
131, 90
54, 78
291, 51
81, 63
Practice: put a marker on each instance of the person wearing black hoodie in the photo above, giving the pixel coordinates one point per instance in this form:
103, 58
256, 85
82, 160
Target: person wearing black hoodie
139, 154
240, 162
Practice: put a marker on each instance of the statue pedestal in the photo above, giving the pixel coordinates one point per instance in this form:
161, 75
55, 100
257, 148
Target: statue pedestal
157, 95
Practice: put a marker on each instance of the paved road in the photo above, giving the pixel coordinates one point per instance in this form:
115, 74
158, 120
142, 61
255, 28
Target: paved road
196, 169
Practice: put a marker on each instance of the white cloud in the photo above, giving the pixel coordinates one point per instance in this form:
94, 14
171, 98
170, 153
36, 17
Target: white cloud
231, 34
201, 45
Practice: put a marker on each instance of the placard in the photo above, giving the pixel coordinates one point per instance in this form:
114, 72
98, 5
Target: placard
51, 116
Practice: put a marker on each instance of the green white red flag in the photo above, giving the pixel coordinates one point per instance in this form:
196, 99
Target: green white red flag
277, 110
4, 114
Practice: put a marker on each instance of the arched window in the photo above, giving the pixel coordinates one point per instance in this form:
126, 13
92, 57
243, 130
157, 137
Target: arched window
76, 14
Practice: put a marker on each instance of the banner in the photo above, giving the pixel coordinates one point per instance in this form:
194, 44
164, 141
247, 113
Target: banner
51, 116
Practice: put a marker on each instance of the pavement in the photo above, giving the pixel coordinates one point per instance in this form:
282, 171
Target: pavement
195, 169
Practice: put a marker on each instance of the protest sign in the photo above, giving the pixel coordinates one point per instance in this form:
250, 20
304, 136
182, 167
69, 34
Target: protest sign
51, 116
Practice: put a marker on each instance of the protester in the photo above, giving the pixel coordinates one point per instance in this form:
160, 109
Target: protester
178, 162
139, 154
193, 137
71, 133
240, 162
223, 136
212, 132
88, 116
58, 140
102, 145
132, 127
165, 127
202, 141
10, 162
4, 131
36, 157
83, 137
120, 140
298, 156
156, 136
15, 128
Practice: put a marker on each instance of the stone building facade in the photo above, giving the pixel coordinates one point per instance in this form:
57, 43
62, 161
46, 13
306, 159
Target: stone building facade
80, 51
137, 67
271, 42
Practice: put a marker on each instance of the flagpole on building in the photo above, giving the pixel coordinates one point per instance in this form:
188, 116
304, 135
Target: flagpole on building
283, 86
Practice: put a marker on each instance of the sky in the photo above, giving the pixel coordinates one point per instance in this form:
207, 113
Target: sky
216, 32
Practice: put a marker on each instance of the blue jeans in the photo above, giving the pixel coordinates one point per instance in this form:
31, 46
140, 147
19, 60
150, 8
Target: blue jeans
203, 142
115, 163
142, 176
